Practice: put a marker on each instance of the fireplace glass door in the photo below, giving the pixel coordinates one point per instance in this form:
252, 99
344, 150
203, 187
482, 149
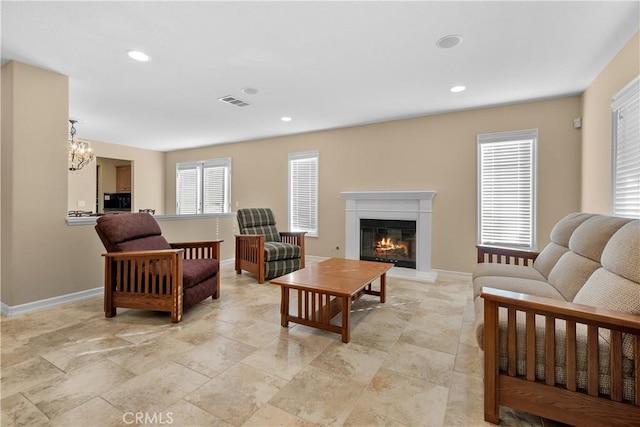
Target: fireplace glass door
392, 241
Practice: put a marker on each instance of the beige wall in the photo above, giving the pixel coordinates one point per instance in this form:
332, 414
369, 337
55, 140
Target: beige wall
596, 130
147, 170
37, 258
429, 153
42, 257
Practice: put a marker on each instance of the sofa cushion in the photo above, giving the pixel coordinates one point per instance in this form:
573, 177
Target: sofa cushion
548, 258
622, 253
197, 270
515, 284
570, 273
562, 231
275, 251
590, 238
506, 270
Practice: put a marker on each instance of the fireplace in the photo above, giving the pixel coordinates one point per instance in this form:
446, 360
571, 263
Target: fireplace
392, 241
391, 208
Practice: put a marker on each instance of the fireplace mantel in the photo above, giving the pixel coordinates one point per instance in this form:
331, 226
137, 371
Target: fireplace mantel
402, 205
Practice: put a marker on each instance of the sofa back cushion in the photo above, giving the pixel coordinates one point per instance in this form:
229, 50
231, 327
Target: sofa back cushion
591, 237
570, 274
622, 254
560, 236
586, 244
616, 286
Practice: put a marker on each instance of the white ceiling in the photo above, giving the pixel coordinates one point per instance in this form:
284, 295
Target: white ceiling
327, 64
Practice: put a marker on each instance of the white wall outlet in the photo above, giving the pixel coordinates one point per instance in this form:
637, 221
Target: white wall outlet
81, 203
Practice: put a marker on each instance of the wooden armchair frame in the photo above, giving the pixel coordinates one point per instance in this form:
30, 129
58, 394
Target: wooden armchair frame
547, 398
250, 251
153, 280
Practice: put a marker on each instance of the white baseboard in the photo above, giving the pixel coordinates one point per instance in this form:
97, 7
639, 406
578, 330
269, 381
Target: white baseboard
8, 310
460, 275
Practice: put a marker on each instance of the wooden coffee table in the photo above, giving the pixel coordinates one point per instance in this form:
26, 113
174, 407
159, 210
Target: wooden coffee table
328, 288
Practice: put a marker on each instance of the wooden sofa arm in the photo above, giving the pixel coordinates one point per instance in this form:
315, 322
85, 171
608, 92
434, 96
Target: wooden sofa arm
520, 388
197, 250
602, 317
497, 255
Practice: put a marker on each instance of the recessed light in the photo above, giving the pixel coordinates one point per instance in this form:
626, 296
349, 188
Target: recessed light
286, 119
138, 56
249, 90
456, 89
449, 41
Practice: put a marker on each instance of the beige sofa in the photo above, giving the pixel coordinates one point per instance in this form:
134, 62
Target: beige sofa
560, 331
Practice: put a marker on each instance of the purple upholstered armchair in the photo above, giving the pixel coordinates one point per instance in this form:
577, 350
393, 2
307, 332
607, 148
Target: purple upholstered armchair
144, 271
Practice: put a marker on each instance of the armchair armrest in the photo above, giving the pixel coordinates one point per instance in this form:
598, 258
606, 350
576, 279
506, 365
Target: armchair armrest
196, 250
295, 238
160, 253
250, 254
494, 254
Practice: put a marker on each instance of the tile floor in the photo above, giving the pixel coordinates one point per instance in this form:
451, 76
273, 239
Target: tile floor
412, 361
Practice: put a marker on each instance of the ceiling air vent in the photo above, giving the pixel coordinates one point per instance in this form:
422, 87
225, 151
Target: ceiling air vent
234, 101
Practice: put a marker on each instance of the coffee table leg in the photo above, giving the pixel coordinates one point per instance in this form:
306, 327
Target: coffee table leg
284, 307
383, 287
346, 319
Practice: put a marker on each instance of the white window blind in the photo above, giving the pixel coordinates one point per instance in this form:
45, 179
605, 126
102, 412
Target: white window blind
188, 192
203, 187
506, 189
625, 108
303, 192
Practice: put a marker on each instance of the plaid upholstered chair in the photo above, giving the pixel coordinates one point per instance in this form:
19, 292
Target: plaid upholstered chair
144, 271
262, 250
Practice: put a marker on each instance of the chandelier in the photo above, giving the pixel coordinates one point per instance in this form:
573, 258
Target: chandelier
80, 153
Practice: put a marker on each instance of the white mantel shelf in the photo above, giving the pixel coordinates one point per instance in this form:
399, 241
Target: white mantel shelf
399, 205
389, 195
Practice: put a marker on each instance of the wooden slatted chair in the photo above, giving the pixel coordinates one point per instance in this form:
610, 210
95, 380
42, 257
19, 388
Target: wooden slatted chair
144, 271
262, 250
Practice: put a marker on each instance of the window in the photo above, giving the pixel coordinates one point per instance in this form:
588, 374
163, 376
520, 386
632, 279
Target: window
506, 189
203, 187
303, 192
625, 108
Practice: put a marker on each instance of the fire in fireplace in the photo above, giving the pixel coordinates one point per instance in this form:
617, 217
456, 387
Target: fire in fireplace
392, 241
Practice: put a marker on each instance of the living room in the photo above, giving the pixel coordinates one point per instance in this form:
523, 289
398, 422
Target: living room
47, 260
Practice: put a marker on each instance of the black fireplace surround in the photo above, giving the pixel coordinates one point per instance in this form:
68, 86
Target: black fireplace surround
392, 241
